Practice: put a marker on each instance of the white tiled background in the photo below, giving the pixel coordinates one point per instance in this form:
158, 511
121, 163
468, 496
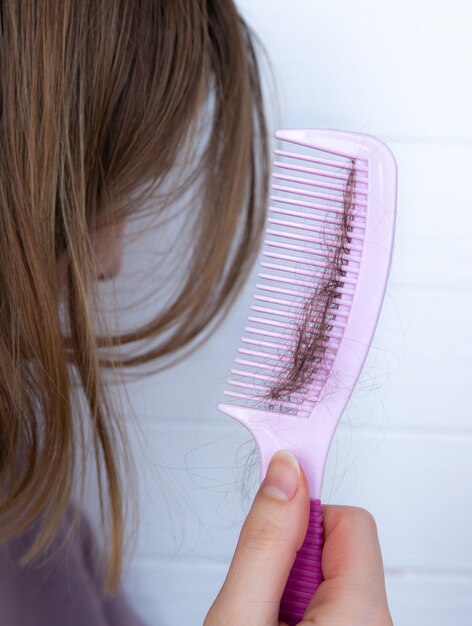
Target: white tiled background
401, 71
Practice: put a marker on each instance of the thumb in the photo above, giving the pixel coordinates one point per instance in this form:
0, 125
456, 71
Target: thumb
272, 534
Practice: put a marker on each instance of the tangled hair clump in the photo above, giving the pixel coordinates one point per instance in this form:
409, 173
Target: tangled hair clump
99, 99
306, 355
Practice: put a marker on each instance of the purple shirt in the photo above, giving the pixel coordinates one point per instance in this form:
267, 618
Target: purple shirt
64, 592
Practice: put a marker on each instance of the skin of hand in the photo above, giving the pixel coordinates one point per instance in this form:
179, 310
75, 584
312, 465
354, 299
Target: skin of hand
353, 592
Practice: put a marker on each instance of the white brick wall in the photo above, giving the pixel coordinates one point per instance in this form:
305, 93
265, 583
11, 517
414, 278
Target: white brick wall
399, 70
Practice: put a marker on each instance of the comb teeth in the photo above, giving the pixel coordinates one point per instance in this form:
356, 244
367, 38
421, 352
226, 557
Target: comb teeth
315, 217
315, 237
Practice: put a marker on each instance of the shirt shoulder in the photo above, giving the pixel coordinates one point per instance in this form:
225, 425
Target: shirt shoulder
62, 586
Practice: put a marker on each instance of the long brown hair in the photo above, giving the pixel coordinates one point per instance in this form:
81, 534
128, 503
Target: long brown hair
100, 101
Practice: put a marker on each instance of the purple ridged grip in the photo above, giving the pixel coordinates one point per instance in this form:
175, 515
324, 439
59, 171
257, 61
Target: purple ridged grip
306, 575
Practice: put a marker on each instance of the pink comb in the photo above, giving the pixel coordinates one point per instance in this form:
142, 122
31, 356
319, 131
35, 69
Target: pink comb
327, 258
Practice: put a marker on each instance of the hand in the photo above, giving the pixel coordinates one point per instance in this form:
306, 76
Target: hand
353, 593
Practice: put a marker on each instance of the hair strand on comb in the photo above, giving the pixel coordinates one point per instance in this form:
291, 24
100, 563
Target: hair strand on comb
306, 355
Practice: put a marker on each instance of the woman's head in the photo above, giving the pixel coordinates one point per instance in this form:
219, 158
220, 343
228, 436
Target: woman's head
101, 100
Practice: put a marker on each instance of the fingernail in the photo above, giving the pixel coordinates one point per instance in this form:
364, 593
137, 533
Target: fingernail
282, 476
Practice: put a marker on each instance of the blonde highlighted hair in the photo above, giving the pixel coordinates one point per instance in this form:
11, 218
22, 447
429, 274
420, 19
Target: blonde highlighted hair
98, 99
